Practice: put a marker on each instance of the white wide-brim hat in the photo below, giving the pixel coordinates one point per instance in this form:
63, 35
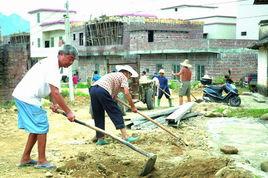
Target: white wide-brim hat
186, 63
161, 71
127, 68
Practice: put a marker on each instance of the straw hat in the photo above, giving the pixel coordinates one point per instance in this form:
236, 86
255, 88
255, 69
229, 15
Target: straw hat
186, 63
161, 71
127, 68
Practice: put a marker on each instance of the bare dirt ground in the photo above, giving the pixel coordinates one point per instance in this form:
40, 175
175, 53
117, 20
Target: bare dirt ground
69, 146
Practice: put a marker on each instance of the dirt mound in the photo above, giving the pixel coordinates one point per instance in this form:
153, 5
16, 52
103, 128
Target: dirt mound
199, 166
106, 164
230, 171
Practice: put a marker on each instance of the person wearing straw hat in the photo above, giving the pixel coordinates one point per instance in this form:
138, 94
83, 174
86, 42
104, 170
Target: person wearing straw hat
185, 75
163, 88
103, 94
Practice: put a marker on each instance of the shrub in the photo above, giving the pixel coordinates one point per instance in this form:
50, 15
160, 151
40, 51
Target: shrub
82, 85
195, 84
65, 93
174, 84
218, 80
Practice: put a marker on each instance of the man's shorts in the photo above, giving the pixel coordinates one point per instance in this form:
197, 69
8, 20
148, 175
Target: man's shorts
32, 119
185, 88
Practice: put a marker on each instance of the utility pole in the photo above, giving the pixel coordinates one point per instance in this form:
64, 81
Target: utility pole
0, 35
67, 41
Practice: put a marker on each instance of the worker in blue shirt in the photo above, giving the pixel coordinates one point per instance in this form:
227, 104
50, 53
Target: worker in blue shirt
163, 88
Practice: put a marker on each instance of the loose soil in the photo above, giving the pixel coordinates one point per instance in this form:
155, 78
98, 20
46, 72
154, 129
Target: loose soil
69, 146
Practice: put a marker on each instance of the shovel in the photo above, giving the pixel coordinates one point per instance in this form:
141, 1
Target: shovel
149, 165
155, 122
196, 100
166, 93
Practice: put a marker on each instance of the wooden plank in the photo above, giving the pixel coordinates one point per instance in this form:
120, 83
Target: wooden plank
156, 113
149, 125
179, 113
259, 100
186, 116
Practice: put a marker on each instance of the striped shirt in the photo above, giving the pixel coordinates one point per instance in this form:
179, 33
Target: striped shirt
113, 83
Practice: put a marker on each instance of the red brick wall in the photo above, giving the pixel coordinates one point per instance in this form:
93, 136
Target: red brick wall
13, 66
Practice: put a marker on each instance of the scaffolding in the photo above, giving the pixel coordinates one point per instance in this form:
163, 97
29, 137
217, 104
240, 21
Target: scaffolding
102, 33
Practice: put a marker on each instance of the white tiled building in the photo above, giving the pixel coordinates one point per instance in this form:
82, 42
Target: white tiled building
216, 25
47, 31
248, 19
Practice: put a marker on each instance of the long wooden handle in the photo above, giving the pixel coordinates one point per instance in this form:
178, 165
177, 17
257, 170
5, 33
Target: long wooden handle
164, 92
150, 119
149, 155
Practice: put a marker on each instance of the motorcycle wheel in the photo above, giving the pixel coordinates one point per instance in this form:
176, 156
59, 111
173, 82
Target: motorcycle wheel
235, 101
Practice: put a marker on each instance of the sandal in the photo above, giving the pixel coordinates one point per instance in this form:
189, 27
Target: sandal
29, 163
102, 142
47, 165
132, 139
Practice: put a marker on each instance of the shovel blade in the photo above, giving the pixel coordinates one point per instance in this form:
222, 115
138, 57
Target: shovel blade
198, 100
149, 165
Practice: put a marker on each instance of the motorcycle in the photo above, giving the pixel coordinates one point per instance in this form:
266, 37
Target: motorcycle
213, 93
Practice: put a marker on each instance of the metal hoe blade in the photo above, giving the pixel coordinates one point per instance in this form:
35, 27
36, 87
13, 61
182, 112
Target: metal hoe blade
149, 165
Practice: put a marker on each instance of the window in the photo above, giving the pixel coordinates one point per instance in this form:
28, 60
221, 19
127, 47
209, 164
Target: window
38, 17
81, 40
176, 9
150, 36
205, 35
38, 42
97, 67
200, 72
46, 44
158, 67
243, 33
52, 41
61, 42
176, 69
73, 37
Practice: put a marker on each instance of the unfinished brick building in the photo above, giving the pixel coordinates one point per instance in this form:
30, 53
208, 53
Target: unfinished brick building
14, 63
158, 43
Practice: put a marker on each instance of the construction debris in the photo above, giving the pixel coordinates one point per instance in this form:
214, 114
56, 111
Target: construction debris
149, 125
141, 120
186, 116
179, 113
170, 116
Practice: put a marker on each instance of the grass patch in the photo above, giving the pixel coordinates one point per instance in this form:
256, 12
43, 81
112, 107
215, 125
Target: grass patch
82, 85
79, 85
220, 110
239, 112
80, 94
7, 104
65, 93
242, 89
